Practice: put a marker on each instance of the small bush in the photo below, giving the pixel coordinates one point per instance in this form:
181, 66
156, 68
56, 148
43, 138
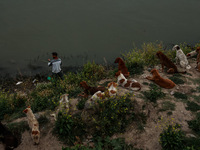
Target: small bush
154, 94
81, 103
192, 106
67, 127
172, 138
113, 115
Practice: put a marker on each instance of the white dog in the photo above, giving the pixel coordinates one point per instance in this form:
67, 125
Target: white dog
180, 56
111, 92
33, 124
63, 105
131, 84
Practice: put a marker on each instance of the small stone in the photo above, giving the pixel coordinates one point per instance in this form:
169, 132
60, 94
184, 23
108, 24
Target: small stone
190, 136
172, 92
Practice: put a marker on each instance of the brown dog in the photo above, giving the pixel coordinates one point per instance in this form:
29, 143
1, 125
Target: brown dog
88, 90
165, 61
122, 67
165, 83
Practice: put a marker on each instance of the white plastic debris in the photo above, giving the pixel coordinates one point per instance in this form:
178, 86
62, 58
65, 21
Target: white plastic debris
18, 83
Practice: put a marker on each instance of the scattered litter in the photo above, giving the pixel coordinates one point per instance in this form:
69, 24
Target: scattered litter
18, 83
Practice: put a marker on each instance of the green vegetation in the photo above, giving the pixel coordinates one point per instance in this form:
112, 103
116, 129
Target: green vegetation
154, 93
176, 79
167, 105
81, 103
179, 95
195, 124
192, 106
172, 138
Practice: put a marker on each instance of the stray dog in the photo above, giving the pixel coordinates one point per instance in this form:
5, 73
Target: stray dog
9, 140
111, 92
63, 105
89, 90
180, 56
121, 80
165, 83
165, 61
122, 67
33, 124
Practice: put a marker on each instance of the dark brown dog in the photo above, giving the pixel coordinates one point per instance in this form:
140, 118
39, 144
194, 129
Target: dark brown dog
88, 90
165, 83
9, 140
122, 67
165, 61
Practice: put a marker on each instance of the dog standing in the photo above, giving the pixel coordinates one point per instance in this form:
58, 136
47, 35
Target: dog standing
63, 105
121, 80
90, 90
165, 61
122, 67
33, 124
180, 56
165, 83
8, 139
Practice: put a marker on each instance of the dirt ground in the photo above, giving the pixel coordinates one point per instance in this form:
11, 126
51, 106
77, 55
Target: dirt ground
147, 139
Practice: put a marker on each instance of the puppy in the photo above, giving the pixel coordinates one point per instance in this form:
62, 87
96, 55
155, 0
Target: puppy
122, 67
63, 105
165, 61
165, 83
33, 124
121, 80
111, 92
180, 56
88, 90
9, 140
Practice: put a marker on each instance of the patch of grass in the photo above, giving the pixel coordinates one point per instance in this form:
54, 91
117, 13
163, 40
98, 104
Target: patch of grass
81, 103
179, 95
196, 98
145, 83
176, 80
154, 93
192, 106
169, 113
195, 124
18, 127
43, 120
167, 105
192, 143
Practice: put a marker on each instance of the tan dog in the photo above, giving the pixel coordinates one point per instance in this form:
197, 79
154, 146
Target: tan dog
165, 61
122, 67
111, 92
165, 83
33, 124
121, 80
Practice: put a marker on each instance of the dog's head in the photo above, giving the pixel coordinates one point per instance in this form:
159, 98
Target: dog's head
154, 71
118, 59
83, 84
112, 83
176, 47
64, 97
198, 49
27, 109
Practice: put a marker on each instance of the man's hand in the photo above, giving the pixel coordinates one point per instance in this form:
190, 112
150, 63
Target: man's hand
49, 59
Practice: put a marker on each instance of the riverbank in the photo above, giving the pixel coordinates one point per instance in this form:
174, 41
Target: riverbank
152, 109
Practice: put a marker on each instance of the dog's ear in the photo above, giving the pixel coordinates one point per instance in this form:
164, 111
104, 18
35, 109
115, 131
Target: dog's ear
109, 84
25, 110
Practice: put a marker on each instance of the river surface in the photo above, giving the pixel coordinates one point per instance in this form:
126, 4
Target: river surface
82, 30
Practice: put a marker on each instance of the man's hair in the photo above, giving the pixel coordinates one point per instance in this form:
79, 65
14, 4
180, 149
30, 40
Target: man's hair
55, 54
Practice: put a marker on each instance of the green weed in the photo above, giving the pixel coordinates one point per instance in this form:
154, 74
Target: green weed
167, 105
179, 95
192, 106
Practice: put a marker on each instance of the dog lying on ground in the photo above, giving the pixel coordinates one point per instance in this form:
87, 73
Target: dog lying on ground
88, 90
122, 67
9, 140
33, 124
165, 61
165, 83
121, 80
180, 56
63, 105
110, 92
